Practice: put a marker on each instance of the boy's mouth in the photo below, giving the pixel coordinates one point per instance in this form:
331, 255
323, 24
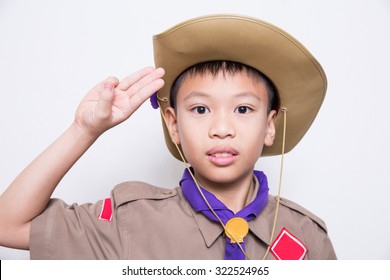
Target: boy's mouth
222, 156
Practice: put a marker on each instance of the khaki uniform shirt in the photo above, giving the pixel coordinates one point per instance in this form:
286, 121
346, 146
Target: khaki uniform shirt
155, 223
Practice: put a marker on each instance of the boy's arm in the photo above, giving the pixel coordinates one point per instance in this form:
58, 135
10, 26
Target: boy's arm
106, 105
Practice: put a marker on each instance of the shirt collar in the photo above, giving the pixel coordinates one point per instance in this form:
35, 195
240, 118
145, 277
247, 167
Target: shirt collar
211, 230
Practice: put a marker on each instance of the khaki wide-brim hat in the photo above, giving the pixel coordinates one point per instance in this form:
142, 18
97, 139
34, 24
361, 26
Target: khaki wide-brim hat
297, 75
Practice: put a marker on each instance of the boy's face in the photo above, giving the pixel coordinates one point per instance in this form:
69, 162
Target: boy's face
222, 124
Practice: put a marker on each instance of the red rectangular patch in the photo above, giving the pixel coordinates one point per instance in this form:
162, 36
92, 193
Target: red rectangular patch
106, 213
287, 247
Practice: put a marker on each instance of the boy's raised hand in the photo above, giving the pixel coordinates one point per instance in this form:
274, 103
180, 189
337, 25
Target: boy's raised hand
111, 102
106, 105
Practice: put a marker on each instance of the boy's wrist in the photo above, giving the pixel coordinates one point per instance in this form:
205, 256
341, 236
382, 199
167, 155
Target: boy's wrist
82, 134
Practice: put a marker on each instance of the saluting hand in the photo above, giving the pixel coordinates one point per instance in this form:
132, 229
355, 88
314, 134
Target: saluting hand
111, 102
106, 105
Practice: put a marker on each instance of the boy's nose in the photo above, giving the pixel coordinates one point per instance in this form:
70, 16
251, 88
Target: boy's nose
222, 127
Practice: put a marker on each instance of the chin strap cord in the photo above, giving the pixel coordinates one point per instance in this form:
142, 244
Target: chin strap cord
284, 110
187, 166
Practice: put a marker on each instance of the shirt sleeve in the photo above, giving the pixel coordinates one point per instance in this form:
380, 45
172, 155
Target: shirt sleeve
322, 248
312, 229
75, 232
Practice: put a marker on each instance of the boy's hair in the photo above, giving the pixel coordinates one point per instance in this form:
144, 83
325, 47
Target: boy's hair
227, 67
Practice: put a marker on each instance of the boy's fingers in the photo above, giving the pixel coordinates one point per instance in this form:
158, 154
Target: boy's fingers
133, 78
145, 92
145, 80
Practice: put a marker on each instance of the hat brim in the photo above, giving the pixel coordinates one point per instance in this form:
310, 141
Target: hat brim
297, 75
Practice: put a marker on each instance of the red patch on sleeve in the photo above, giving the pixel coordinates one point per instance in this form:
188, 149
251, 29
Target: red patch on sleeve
287, 247
106, 213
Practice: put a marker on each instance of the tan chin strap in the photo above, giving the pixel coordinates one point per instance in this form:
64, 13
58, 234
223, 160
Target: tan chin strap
284, 110
187, 166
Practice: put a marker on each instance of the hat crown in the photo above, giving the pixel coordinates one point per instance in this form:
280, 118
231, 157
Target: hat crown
297, 75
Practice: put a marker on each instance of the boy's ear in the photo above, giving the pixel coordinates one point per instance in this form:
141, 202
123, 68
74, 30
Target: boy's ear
270, 129
171, 122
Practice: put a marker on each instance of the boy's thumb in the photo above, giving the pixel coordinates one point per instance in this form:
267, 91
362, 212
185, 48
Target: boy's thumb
105, 100
107, 92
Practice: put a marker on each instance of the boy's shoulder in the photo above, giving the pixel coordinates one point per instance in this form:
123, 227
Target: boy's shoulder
293, 206
135, 190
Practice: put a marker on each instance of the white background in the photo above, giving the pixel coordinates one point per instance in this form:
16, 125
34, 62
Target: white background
53, 52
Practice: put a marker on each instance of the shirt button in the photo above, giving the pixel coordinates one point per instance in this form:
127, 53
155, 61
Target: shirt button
167, 192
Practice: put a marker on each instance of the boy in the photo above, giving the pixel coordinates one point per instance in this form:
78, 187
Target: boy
221, 82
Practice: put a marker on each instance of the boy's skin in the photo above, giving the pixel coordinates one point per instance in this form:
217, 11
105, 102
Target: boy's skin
221, 123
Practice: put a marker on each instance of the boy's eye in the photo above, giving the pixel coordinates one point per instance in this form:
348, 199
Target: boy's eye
200, 110
243, 110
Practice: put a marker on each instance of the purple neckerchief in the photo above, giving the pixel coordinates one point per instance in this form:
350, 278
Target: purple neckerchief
250, 211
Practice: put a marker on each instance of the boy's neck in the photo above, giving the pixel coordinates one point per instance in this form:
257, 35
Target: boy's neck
235, 196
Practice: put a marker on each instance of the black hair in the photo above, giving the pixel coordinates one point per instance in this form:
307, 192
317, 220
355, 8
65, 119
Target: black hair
230, 67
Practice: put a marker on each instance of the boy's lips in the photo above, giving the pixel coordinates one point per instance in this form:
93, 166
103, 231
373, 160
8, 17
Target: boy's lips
222, 156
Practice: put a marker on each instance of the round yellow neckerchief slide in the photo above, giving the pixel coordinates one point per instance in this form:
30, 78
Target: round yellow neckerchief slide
236, 229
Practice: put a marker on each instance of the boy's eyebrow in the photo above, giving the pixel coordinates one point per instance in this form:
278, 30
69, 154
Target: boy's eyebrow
194, 94
248, 94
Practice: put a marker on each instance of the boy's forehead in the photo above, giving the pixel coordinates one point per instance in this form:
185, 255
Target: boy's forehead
238, 84
226, 77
